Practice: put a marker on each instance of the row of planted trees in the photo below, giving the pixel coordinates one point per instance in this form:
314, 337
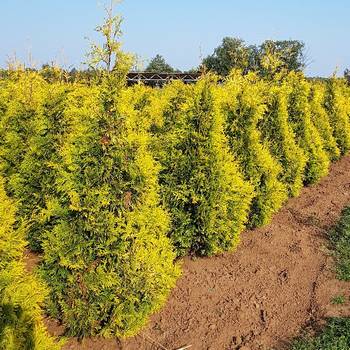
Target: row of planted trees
111, 184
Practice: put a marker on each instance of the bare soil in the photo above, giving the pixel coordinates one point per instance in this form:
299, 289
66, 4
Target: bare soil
279, 282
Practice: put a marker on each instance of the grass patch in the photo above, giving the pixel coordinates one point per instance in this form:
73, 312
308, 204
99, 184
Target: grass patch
340, 239
336, 335
338, 300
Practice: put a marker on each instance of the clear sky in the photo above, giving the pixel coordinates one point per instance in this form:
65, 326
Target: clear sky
180, 30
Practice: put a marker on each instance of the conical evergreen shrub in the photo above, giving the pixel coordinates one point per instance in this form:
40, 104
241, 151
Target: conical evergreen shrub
166, 110
321, 120
244, 107
16, 127
201, 183
337, 104
280, 137
36, 172
21, 294
26, 91
306, 133
30, 129
107, 259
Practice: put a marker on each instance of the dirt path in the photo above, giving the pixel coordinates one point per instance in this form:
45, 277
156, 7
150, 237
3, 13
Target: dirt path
279, 281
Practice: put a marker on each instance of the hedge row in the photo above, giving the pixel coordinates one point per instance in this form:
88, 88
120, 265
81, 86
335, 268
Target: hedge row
107, 258
201, 183
116, 182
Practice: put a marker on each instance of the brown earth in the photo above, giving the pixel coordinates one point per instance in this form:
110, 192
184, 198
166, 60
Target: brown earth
278, 282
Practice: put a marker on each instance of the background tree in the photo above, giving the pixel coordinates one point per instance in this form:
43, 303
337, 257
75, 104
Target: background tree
232, 53
291, 53
267, 59
347, 75
159, 65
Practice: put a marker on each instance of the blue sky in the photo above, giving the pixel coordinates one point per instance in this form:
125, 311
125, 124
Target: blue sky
182, 31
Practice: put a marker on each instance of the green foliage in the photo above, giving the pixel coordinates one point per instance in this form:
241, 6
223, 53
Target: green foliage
107, 259
336, 336
201, 183
307, 135
347, 75
159, 65
340, 239
321, 120
244, 107
21, 294
232, 53
338, 300
269, 58
337, 104
278, 133
290, 54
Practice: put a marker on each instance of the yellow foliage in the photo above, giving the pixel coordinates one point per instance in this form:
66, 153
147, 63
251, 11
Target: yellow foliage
21, 294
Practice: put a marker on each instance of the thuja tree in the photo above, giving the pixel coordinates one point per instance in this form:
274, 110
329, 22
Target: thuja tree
34, 180
30, 128
201, 183
107, 260
166, 111
279, 134
26, 92
244, 106
144, 101
337, 104
321, 120
304, 129
21, 294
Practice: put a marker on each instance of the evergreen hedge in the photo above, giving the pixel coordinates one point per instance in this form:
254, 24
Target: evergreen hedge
244, 106
337, 104
107, 259
321, 120
201, 182
278, 133
114, 182
307, 135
